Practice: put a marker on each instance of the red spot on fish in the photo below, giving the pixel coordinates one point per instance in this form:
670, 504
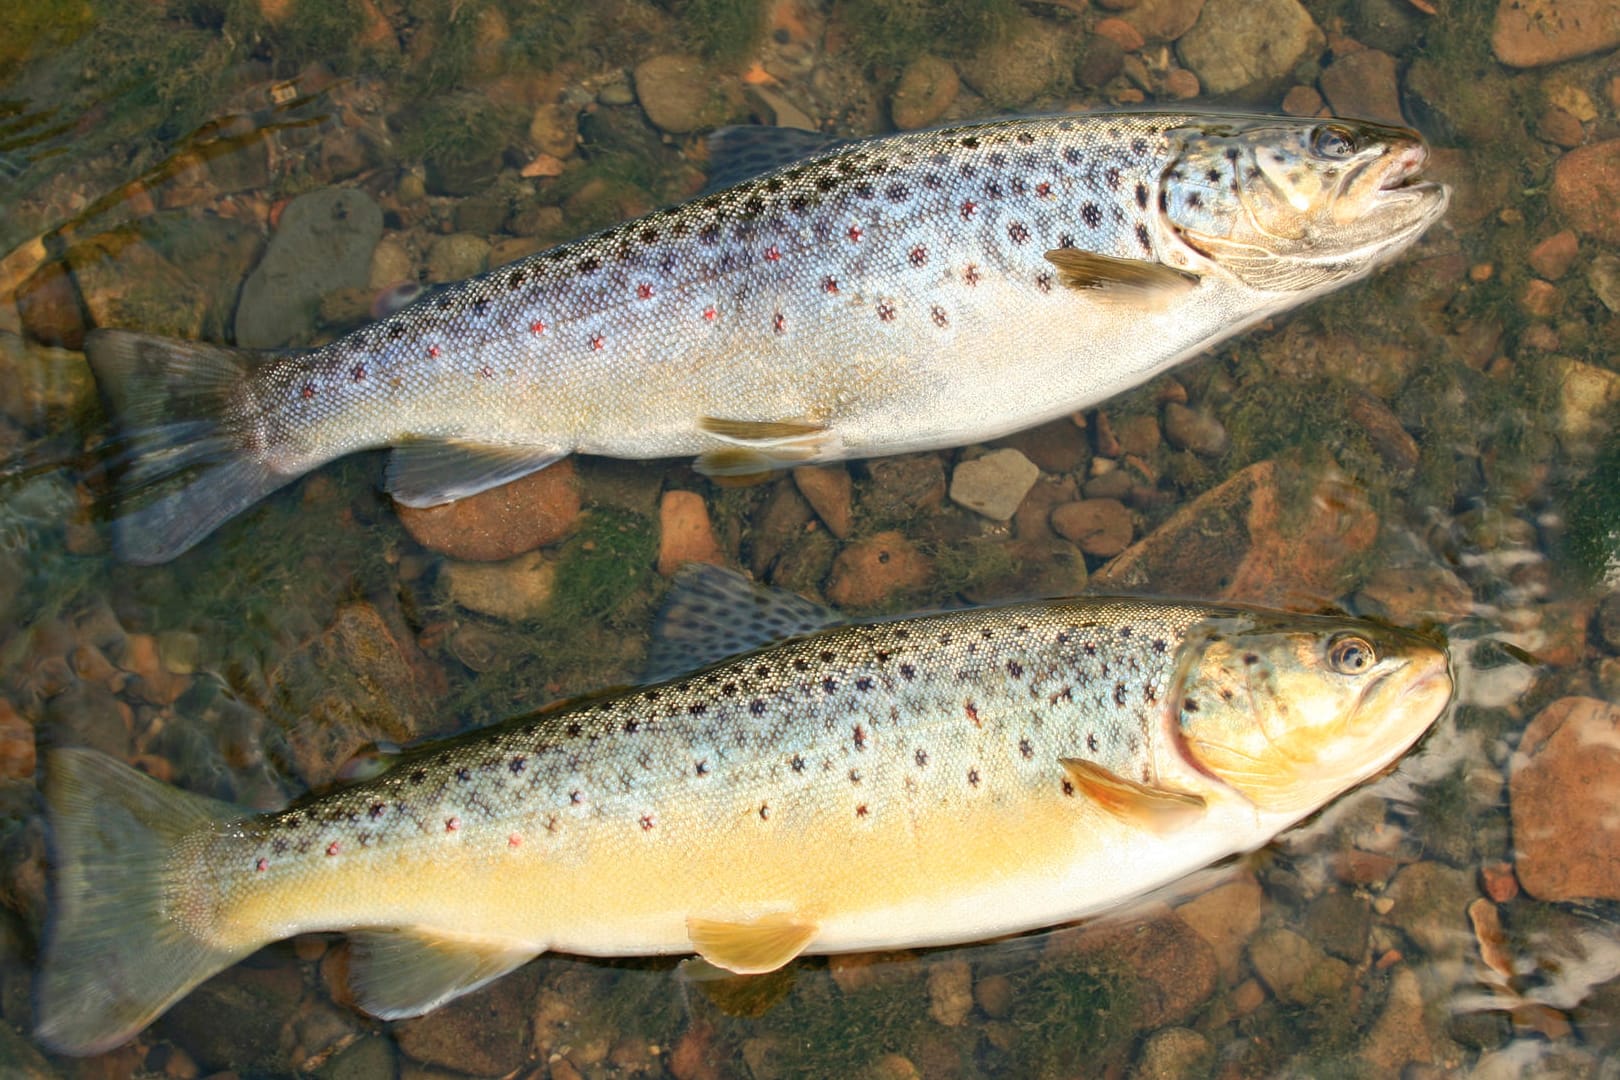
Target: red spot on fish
709, 314
860, 811
359, 372
486, 372
332, 848
972, 713
855, 233
773, 254
860, 737
262, 865
1043, 282
308, 391
451, 824
596, 341
514, 840
537, 327
643, 291
971, 275
433, 352
779, 323
968, 208
830, 285
1043, 189
646, 822
918, 256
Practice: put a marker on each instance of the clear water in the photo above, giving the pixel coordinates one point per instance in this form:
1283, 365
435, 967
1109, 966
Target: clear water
1434, 462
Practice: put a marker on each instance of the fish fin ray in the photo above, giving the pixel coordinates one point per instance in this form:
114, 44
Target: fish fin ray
433, 472
750, 948
115, 956
711, 613
183, 413
396, 972
755, 447
1124, 279
1157, 808
744, 151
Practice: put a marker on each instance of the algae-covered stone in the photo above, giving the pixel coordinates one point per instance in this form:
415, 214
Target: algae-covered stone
926, 89
1430, 903
323, 243
457, 256
1294, 969
1176, 1053
514, 590
1029, 60
680, 94
40, 385
1239, 42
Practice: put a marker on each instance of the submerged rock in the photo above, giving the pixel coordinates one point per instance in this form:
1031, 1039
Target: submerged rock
497, 524
994, 485
1239, 42
1530, 34
323, 243
1562, 794
872, 571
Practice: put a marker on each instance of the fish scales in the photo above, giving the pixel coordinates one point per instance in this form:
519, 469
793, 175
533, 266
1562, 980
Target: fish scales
826, 748
902, 293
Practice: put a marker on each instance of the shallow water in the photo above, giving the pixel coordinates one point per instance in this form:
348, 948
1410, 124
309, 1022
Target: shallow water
1434, 446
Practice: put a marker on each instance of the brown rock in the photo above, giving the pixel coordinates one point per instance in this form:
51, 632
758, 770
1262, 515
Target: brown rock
1303, 101
1164, 20
871, 571
484, 1034
1530, 33
16, 744
1100, 60
1057, 447
1561, 793
1225, 917
1392, 441
1199, 432
1138, 435
1101, 527
1295, 969
1232, 541
1586, 190
1181, 84
1407, 596
1552, 258
1121, 33
829, 491
679, 94
950, 991
684, 533
926, 89
156, 683
1560, 127
1363, 85
1498, 881
1168, 968
527, 513
1541, 299
1400, 1035
48, 304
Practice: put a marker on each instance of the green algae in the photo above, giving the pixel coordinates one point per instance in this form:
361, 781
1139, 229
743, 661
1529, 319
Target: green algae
1592, 518
894, 31
723, 29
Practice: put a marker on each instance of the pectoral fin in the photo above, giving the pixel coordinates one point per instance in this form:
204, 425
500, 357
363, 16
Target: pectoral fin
1119, 279
750, 948
395, 973
1156, 808
757, 447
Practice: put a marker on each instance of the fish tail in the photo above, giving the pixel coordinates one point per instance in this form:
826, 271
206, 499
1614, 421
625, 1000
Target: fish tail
191, 457
121, 945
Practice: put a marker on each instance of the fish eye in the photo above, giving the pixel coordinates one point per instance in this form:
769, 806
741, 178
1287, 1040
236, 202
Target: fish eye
1351, 654
1333, 141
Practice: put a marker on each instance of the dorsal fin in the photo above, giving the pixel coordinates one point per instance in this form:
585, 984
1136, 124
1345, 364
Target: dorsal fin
711, 613
748, 150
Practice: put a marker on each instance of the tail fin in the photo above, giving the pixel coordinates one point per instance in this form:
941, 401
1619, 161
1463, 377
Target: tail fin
184, 415
115, 955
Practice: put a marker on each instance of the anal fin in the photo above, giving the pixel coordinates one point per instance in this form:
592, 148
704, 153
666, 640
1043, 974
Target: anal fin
750, 948
1141, 804
432, 472
400, 972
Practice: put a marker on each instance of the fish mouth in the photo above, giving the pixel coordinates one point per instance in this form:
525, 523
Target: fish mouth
1406, 166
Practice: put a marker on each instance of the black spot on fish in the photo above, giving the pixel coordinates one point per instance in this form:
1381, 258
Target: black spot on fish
589, 265
1139, 147
797, 203
697, 708
1026, 749
1091, 215
632, 726
993, 189
860, 744
709, 234
1065, 240
907, 672
728, 689
1142, 195
1119, 693
516, 764
1018, 232
1194, 201
1024, 138
920, 757
1189, 705
801, 664
997, 159
1091, 742
396, 331
1068, 786
829, 685
865, 191
973, 777
1015, 669
463, 775
863, 683
757, 707
898, 192
1142, 237
1250, 659
1112, 178
1016, 185
377, 810
515, 280
764, 811
970, 143
480, 308
826, 657
933, 181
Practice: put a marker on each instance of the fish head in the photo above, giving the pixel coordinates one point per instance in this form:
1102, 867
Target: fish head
1291, 711
1295, 206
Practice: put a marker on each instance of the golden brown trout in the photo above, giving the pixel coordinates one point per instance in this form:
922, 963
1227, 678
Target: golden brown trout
919, 781
885, 295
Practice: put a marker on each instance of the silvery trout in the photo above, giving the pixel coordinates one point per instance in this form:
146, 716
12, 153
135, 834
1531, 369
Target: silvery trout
892, 294
921, 781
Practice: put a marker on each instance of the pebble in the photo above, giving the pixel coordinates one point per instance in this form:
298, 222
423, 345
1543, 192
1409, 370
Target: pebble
1165, 967
1121, 33
1294, 968
1137, 435
1176, 1053
1181, 84
1407, 596
1164, 20
680, 94
17, 755
1429, 902
1603, 277
1187, 429
1586, 190
1561, 794
1392, 442
1225, 917
505, 521
1363, 84
926, 89
1400, 1036
995, 995
1025, 62
156, 683
829, 491
456, 257
1102, 527
1560, 127
1540, 299
1552, 257
1538, 32
514, 590
1303, 101
485, 1033
554, 130
322, 243
1239, 42
685, 534
390, 265
994, 485
1585, 394
950, 991
1100, 60
871, 571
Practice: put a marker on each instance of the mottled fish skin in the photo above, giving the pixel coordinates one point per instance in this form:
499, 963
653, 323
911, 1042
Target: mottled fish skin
895, 294
928, 780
